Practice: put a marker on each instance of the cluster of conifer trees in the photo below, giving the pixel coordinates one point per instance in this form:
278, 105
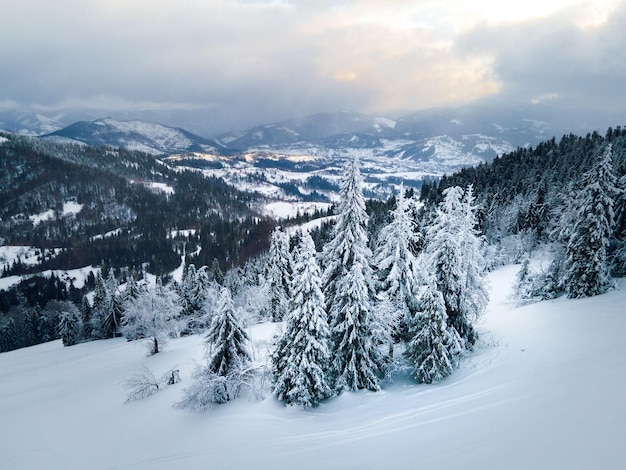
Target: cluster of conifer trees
344, 308
409, 276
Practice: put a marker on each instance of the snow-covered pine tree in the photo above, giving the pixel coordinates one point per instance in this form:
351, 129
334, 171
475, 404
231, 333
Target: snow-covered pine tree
435, 347
107, 310
226, 339
227, 371
102, 310
397, 268
349, 289
85, 313
619, 242
152, 316
70, 324
562, 219
522, 289
279, 271
587, 267
114, 320
191, 292
356, 360
456, 263
301, 358
132, 290
187, 290
474, 295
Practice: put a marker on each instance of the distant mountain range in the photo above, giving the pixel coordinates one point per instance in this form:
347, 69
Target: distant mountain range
442, 139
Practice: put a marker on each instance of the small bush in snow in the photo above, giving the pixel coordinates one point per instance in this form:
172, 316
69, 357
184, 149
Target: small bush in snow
143, 383
210, 389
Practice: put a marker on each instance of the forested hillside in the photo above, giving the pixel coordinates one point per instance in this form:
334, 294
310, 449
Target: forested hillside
127, 204
529, 196
79, 206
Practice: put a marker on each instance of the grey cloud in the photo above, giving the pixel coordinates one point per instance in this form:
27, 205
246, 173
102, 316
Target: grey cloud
552, 56
234, 64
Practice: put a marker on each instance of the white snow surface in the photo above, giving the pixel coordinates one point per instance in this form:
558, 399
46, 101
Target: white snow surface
76, 276
284, 209
3, 140
544, 390
162, 135
162, 187
69, 208
27, 255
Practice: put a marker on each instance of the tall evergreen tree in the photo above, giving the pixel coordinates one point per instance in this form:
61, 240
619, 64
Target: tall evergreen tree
279, 271
226, 372
588, 272
192, 295
619, 242
397, 268
456, 263
474, 295
301, 358
70, 324
226, 338
114, 320
349, 290
435, 347
102, 310
85, 312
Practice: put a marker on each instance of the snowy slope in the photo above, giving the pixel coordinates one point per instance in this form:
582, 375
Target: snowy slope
30, 123
148, 137
544, 391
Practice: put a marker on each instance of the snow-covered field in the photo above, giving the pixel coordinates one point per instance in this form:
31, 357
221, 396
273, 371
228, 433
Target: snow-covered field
544, 390
69, 208
284, 209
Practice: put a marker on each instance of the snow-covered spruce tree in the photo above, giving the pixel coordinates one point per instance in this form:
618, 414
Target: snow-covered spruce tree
85, 313
152, 316
251, 298
191, 292
133, 290
227, 346
587, 267
349, 289
562, 222
70, 325
301, 358
475, 295
455, 262
522, 289
117, 309
188, 291
279, 270
397, 266
106, 312
435, 347
619, 242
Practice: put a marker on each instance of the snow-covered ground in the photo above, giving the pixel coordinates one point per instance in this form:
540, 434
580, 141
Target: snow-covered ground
25, 254
69, 208
283, 209
77, 277
544, 391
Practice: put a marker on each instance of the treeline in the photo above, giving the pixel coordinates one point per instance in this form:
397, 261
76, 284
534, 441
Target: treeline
524, 189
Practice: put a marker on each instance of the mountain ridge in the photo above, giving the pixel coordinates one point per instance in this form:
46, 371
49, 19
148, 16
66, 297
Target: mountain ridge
153, 138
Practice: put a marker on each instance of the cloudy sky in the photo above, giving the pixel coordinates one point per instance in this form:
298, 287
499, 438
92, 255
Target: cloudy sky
245, 62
